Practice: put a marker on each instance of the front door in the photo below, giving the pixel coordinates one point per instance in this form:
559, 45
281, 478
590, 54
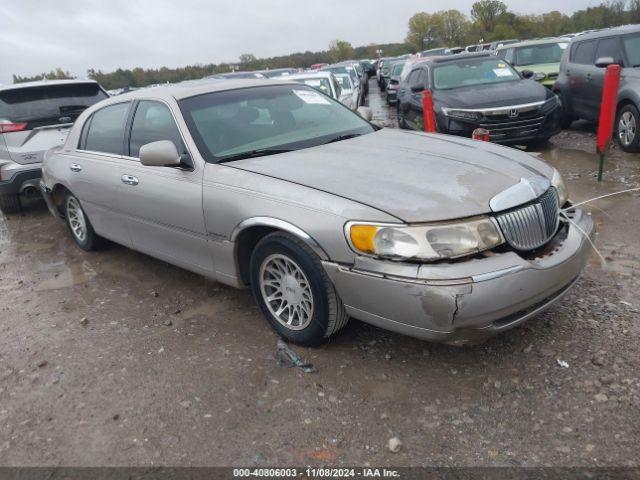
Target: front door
164, 204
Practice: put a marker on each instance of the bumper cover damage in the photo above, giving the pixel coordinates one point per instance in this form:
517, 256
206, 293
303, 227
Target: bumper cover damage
463, 302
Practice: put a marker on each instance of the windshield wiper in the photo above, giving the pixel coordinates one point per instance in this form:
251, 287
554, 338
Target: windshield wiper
261, 152
344, 137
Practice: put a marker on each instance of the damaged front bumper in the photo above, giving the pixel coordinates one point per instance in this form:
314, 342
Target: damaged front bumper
466, 301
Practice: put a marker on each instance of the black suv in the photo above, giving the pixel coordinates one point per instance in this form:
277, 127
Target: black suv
581, 79
479, 90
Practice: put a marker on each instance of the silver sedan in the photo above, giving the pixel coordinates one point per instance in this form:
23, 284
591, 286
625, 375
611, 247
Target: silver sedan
274, 186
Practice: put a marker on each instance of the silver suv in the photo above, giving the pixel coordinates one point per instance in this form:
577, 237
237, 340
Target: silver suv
34, 117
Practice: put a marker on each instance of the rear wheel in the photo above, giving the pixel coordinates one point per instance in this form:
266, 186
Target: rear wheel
294, 292
10, 203
627, 128
80, 226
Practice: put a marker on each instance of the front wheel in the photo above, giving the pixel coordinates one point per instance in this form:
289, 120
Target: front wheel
80, 226
566, 119
294, 292
627, 128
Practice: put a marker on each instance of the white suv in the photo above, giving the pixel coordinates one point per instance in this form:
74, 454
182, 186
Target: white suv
34, 117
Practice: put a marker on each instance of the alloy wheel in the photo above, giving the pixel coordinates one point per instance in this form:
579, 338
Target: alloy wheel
627, 128
76, 219
286, 291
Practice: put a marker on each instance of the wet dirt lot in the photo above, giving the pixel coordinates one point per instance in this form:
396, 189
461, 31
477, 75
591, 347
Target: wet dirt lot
114, 358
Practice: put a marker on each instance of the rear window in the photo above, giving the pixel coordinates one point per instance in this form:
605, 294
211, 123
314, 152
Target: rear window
48, 104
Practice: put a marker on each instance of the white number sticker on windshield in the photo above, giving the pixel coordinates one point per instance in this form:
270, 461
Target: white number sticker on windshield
311, 97
503, 72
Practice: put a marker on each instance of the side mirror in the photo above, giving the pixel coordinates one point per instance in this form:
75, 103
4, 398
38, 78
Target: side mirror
417, 88
160, 154
604, 62
366, 113
528, 74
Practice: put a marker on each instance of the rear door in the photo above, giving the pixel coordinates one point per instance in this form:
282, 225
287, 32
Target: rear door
93, 170
34, 119
580, 71
164, 204
414, 114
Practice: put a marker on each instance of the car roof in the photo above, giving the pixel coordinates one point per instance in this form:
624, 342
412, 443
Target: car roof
453, 58
40, 83
537, 41
607, 32
180, 91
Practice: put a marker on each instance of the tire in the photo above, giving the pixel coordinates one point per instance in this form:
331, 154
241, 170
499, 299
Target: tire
280, 258
79, 225
10, 203
627, 123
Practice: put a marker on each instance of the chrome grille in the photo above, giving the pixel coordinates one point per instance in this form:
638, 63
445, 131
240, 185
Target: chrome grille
531, 226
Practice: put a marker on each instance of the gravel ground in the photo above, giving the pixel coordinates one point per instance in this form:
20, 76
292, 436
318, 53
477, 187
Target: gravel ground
114, 358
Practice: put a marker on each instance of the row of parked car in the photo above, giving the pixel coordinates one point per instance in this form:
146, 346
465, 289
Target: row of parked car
522, 92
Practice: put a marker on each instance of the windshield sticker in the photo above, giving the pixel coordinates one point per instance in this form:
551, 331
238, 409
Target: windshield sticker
502, 72
502, 65
311, 97
313, 82
563, 46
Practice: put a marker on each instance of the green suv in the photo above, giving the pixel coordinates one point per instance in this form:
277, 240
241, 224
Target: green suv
537, 59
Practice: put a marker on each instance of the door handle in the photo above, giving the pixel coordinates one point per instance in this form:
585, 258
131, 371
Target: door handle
589, 77
129, 179
74, 167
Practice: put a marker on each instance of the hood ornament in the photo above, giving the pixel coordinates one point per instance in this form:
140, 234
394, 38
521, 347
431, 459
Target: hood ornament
527, 190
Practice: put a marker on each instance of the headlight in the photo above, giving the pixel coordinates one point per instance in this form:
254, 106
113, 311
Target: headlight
424, 242
558, 182
462, 114
539, 76
551, 104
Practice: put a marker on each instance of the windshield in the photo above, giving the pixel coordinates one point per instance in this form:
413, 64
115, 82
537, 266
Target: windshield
262, 120
540, 54
474, 71
48, 104
632, 48
321, 84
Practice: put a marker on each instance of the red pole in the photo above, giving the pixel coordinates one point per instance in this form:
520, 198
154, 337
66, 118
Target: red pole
428, 112
607, 112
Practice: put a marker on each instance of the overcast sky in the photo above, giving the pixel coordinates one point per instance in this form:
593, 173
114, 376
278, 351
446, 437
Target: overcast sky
38, 36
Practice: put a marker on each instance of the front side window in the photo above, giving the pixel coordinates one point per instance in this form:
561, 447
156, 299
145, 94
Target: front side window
105, 133
539, 54
632, 49
153, 122
249, 122
583, 53
472, 72
345, 82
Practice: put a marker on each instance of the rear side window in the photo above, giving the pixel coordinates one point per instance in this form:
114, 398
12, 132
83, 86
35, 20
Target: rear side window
153, 122
609, 47
632, 49
105, 133
583, 53
48, 104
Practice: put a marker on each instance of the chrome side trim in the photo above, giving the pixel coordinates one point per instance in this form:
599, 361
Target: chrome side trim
280, 225
497, 110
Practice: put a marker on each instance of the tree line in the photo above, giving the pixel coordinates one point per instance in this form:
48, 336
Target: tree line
488, 20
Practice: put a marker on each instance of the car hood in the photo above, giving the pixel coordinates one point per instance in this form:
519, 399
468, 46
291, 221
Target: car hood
412, 176
493, 95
